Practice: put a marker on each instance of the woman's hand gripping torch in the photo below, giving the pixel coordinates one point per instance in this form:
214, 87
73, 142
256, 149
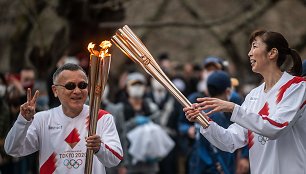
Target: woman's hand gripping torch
99, 67
132, 46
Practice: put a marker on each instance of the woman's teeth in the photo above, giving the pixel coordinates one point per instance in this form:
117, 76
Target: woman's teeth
252, 62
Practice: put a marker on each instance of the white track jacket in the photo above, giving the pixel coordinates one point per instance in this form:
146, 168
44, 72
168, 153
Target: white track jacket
60, 141
272, 124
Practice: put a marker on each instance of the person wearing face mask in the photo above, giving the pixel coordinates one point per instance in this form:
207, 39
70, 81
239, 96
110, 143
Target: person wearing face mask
17, 86
187, 129
18, 83
158, 92
110, 107
27, 78
135, 111
168, 121
205, 157
210, 65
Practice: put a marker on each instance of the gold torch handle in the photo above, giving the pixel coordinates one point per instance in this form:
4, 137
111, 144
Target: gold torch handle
98, 75
132, 46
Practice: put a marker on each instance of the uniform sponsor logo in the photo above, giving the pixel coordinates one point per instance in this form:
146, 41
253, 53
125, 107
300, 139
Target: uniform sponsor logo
73, 163
55, 127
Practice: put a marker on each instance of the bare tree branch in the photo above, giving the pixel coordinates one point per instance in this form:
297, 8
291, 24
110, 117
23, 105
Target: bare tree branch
155, 17
213, 22
153, 24
226, 40
249, 17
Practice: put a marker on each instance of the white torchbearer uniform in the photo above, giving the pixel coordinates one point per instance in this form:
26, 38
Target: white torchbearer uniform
60, 141
273, 124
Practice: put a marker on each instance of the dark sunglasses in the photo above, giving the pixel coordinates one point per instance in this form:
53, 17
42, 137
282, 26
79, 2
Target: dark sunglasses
72, 86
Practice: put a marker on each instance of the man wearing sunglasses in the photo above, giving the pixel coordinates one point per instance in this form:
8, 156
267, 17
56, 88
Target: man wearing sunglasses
60, 134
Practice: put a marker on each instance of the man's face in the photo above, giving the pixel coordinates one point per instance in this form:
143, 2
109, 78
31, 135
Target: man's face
27, 78
71, 100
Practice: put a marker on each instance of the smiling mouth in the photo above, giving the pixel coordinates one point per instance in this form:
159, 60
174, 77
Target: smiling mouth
76, 98
252, 61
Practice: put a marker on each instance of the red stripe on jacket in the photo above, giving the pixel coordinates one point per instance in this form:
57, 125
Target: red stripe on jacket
264, 113
49, 166
101, 113
250, 139
283, 89
114, 152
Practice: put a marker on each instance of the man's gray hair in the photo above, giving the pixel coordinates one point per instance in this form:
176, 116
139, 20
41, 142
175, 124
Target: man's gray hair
67, 66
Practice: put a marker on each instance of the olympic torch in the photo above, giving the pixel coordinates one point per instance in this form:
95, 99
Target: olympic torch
99, 66
132, 46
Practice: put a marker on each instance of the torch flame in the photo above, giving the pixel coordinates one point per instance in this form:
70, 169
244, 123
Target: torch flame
103, 51
104, 48
105, 44
91, 47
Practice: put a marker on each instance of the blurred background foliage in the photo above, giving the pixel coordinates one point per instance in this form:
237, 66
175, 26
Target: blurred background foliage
39, 32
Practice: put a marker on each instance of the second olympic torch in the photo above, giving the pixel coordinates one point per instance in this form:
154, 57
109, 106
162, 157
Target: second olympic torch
99, 67
132, 46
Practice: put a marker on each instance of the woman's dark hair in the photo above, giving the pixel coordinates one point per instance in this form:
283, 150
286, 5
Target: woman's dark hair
277, 40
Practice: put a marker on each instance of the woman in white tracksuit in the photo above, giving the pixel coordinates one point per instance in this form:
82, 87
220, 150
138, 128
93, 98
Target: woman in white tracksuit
272, 119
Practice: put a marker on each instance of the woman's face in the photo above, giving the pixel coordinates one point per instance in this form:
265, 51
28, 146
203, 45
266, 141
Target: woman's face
258, 55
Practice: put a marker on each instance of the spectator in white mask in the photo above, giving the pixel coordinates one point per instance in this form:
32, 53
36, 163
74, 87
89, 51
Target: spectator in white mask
168, 121
135, 111
210, 64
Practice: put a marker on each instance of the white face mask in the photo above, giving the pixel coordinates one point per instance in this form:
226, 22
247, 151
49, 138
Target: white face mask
2, 90
205, 74
156, 86
136, 91
228, 97
202, 85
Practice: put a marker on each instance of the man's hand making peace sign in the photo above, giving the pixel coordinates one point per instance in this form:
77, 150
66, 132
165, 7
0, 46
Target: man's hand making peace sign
27, 110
